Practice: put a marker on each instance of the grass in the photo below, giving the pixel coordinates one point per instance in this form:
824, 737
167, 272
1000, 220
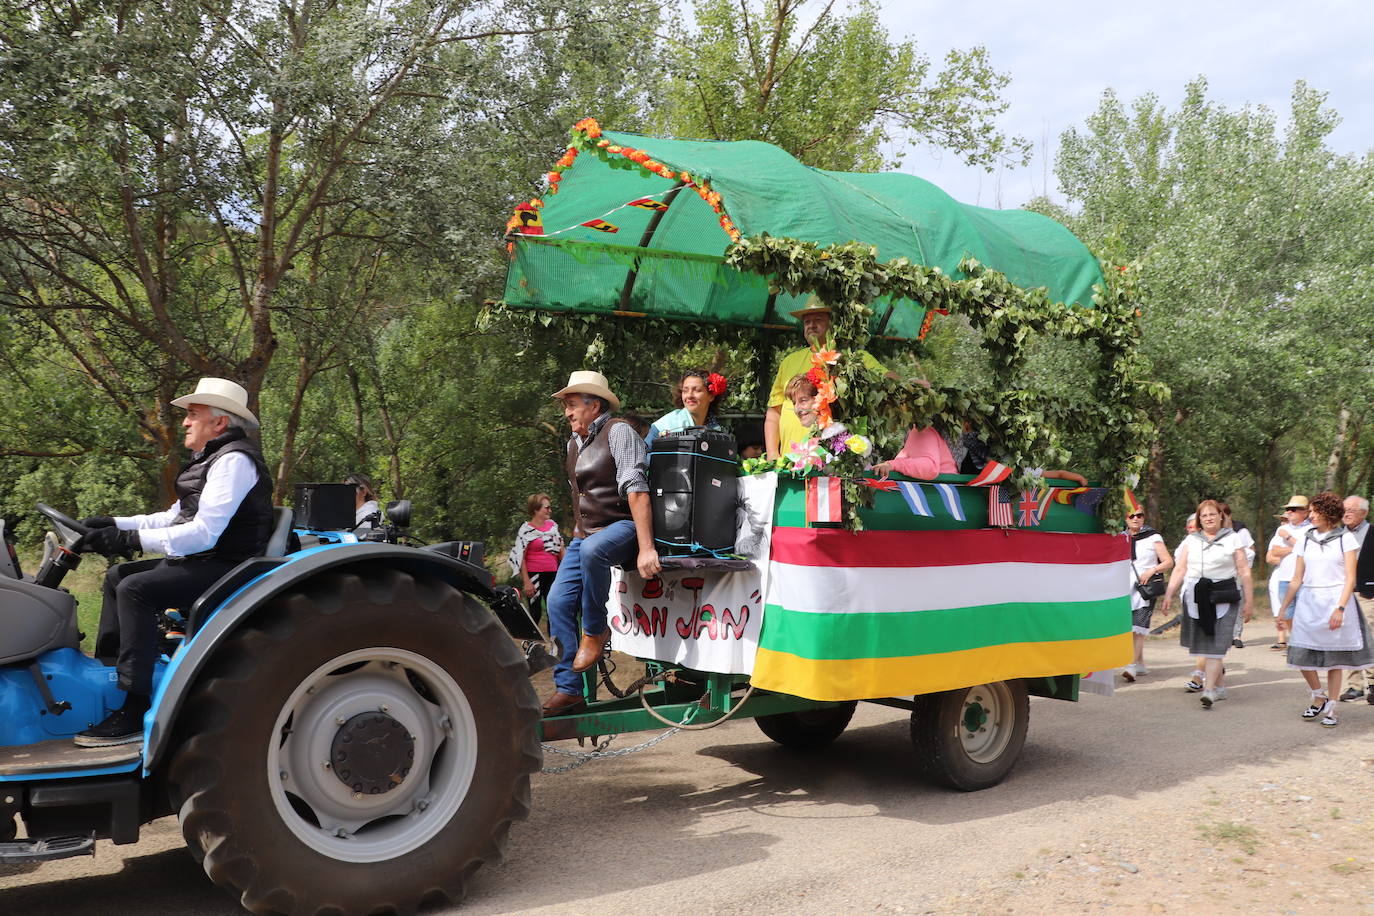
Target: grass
1244, 837
85, 583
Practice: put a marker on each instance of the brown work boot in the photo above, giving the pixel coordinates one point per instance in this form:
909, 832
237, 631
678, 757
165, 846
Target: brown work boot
561, 702
590, 650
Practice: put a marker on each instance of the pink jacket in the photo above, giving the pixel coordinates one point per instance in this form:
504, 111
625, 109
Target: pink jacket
924, 455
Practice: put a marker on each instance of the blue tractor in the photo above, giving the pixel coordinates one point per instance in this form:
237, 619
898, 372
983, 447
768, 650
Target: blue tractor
346, 728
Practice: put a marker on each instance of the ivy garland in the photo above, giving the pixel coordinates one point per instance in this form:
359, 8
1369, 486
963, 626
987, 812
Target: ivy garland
1022, 428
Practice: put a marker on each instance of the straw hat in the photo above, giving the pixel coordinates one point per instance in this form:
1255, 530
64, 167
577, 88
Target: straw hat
1298, 501
813, 306
221, 393
584, 381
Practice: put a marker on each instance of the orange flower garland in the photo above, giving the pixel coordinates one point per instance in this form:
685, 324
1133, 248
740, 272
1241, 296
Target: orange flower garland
589, 129
825, 385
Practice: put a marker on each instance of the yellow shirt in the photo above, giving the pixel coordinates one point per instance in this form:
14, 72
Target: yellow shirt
790, 429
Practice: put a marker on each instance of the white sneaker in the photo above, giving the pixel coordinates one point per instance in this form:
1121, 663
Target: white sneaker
1208, 698
1219, 693
1141, 671
1129, 674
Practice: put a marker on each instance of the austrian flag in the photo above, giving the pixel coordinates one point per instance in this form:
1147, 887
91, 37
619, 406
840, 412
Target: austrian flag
992, 472
823, 500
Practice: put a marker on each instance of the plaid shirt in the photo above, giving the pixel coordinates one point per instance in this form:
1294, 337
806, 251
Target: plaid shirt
627, 449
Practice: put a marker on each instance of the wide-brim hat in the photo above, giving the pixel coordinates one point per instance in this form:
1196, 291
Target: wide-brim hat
1298, 501
584, 381
813, 306
221, 393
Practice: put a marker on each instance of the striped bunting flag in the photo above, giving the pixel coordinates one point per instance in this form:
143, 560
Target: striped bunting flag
999, 507
915, 499
950, 496
1064, 495
894, 613
823, 500
992, 472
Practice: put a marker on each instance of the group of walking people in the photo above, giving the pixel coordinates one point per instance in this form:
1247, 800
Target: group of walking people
1321, 591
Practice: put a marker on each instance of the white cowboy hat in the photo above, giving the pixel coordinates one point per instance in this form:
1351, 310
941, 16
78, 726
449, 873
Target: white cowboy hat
584, 381
813, 306
221, 393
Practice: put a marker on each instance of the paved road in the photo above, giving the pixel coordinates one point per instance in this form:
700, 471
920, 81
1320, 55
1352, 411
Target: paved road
726, 822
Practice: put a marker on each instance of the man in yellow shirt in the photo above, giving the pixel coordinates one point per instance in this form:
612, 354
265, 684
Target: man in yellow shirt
781, 427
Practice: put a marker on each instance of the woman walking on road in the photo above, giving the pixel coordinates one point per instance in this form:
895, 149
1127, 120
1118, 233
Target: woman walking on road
1149, 557
1329, 633
537, 552
1215, 581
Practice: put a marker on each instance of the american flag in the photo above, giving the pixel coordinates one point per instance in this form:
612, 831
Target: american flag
999, 506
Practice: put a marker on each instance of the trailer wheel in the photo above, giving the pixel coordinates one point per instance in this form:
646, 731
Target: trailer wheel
970, 738
807, 729
362, 744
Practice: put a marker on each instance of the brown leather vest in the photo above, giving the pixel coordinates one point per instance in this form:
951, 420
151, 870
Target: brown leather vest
596, 498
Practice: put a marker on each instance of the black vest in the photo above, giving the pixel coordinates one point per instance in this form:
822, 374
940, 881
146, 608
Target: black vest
251, 526
596, 498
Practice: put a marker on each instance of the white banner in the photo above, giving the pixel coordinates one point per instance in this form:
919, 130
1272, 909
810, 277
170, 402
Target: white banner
704, 619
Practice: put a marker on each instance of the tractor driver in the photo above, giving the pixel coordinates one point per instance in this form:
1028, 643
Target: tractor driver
612, 525
222, 516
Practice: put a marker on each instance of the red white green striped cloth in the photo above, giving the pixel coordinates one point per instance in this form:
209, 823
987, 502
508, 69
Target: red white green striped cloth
892, 613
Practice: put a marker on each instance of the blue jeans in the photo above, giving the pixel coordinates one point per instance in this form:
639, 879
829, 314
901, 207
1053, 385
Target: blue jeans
580, 592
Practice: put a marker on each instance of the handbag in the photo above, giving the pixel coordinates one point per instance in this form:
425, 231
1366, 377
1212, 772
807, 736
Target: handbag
1152, 588
1224, 591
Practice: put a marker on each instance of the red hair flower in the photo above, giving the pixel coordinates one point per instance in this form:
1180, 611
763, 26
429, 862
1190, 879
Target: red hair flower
716, 384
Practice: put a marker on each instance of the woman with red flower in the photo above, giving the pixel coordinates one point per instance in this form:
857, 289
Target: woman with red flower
696, 396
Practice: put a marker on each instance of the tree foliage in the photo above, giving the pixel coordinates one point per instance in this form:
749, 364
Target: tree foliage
833, 89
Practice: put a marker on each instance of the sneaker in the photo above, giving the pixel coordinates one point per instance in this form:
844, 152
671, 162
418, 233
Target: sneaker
1141, 671
1351, 693
1329, 714
1129, 674
1237, 644
1219, 693
123, 726
1195, 684
1208, 698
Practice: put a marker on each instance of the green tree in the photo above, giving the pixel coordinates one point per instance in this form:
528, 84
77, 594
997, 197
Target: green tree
1251, 238
832, 89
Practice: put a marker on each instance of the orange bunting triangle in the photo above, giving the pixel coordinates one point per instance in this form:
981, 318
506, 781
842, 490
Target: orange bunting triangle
600, 225
648, 203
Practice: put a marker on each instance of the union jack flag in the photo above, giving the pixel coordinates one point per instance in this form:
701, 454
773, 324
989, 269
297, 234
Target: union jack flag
992, 472
1032, 507
999, 506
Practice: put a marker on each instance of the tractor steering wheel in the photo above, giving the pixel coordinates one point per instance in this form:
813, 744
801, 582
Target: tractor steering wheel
68, 528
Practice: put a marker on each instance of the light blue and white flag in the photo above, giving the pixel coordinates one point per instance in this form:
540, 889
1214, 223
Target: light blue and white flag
915, 499
951, 499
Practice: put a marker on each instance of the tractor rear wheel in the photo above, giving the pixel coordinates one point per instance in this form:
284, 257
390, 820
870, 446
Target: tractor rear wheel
969, 739
362, 744
807, 729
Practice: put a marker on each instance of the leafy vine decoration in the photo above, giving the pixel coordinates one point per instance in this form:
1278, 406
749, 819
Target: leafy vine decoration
1021, 426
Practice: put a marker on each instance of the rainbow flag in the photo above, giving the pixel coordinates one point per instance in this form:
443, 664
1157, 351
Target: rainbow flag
894, 613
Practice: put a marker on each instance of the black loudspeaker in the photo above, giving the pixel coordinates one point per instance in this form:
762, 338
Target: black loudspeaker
693, 489
324, 506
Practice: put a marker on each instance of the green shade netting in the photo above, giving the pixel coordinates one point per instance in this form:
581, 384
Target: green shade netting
678, 271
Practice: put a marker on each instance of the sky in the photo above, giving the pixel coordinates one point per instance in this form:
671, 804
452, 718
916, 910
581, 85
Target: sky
1061, 55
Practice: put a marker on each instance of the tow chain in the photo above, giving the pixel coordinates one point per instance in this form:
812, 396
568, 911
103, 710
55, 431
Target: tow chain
582, 758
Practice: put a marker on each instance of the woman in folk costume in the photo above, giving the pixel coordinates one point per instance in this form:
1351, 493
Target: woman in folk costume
1149, 557
1329, 633
1215, 581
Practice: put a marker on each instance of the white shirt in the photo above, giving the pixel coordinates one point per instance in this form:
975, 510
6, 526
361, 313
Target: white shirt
1215, 559
1360, 531
1284, 571
227, 483
1247, 541
1324, 564
366, 509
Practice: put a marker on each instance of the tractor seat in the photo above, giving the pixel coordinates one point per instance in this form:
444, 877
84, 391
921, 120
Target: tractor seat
230, 582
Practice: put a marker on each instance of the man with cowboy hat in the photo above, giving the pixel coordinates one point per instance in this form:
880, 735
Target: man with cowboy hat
612, 525
780, 424
222, 516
